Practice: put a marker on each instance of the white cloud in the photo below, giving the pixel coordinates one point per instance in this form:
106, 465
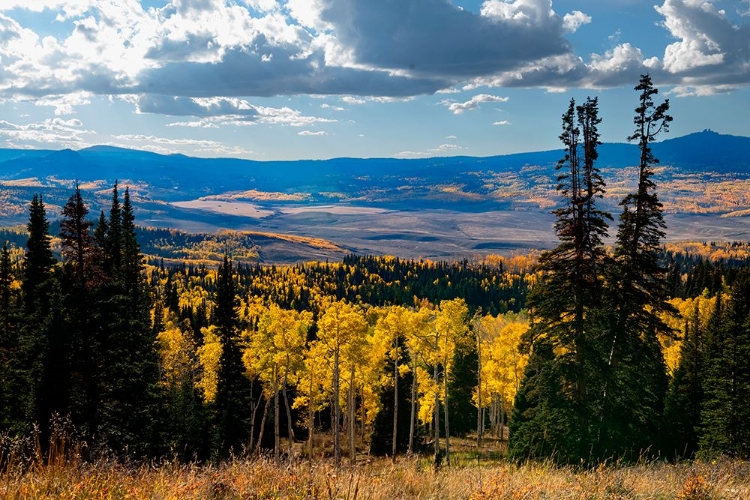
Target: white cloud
52, 131
451, 137
574, 20
164, 145
65, 104
411, 154
331, 107
223, 110
459, 107
194, 124
311, 133
352, 100
447, 147
361, 50
502, 123
694, 23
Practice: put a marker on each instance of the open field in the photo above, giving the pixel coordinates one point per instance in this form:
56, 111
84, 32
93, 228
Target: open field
379, 480
433, 233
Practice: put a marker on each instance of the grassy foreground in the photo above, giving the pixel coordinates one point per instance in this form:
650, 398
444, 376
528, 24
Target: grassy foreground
378, 479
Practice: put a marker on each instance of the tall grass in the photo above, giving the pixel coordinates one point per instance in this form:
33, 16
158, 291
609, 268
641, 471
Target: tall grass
260, 478
60, 472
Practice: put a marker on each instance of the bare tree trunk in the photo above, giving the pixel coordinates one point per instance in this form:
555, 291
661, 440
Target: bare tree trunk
413, 416
436, 416
352, 418
395, 404
254, 406
310, 421
336, 410
263, 425
480, 419
276, 423
445, 407
290, 428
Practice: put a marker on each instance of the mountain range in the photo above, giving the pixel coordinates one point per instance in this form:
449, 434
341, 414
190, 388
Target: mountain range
430, 207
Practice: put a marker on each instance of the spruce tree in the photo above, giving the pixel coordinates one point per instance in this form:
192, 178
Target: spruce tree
233, 392
566, 303
635, 376
81, 278
10, 384
128, 355
725, 417
43, 353
682, 407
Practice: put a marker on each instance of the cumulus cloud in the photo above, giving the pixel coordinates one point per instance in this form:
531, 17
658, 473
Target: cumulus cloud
711, 52
502, 123
166, 145
311, 133
357, 49
57, 131
459, 107
435, 39
215, 111
574, 20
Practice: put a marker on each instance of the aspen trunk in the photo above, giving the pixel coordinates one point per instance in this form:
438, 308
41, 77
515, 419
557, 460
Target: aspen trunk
352, 418
276, 423
412, 417
395, 404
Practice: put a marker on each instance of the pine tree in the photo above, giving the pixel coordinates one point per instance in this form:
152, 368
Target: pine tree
567, 302
81, 279
43, 352
127, 355
78, 249
635, 376
725, 417
684, 400
543, 420
233, 393
9, 318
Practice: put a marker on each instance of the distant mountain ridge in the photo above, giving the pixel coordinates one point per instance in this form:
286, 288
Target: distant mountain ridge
380, 204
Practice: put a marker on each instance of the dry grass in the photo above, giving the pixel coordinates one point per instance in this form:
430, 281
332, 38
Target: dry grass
379, 479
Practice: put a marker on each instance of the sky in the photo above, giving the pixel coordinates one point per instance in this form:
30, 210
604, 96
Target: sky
313, 79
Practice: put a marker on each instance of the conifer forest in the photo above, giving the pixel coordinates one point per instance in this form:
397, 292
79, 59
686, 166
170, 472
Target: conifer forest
611, 347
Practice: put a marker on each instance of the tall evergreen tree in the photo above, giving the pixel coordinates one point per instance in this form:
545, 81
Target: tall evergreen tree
9, 316
567, 300
233, 392
682, 407
635, 377
42, 348
128, 355
725, 418
81, 278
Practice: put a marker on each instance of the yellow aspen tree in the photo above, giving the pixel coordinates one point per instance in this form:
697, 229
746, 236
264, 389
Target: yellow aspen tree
313, 387
341, 328
450, 328
418, 342
275, 355
208, 358
390, 332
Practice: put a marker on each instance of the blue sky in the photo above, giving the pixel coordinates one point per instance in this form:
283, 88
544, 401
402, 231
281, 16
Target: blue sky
290, 79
